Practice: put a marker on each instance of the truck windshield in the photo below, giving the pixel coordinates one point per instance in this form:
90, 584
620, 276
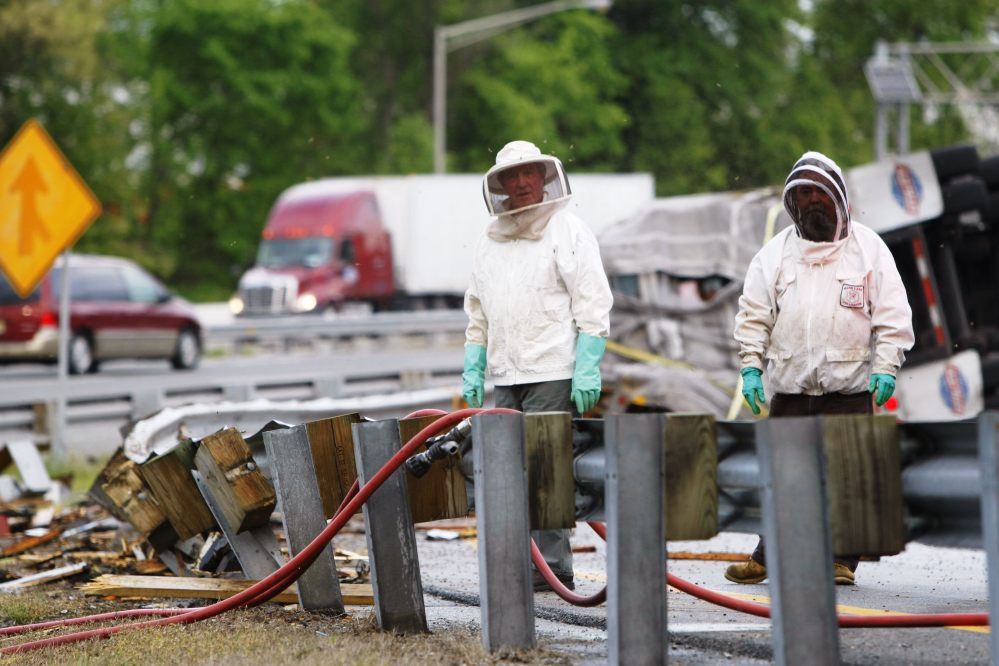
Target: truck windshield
308, 252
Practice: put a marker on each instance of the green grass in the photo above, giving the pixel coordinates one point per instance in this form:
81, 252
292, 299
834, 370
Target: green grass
275, 636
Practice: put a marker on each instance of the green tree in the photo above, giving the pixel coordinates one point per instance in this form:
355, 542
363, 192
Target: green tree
246, 98
553, 83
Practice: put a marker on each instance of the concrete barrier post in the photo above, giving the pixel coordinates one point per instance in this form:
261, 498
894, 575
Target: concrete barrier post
988, 455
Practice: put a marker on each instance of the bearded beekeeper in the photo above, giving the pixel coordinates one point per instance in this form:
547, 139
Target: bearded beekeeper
538, 305
824, 312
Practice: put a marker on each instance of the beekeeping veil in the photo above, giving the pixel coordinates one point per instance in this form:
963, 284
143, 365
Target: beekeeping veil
526, 221
816, 170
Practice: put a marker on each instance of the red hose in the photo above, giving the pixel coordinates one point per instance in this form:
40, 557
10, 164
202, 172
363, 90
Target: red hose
100, 617
560, 589
429, 411
762, 610
295, 566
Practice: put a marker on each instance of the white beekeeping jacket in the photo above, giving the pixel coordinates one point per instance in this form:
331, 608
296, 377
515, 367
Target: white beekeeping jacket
824, 316
528, 299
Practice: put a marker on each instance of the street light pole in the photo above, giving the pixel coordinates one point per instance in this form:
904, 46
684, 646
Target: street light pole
452, 37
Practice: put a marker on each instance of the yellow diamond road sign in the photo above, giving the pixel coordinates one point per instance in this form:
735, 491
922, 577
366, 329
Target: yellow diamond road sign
44, 206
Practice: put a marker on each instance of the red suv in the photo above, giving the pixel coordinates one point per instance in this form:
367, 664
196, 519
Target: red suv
117, 310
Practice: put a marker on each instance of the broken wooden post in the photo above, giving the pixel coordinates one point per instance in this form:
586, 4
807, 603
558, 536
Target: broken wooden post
691, 477
239, 488
440, 493
332, 444
294, 477
501, 517
864, 485
392, 554
169, 478
799, 550
123, 486
636, 539
255, 549
551, 489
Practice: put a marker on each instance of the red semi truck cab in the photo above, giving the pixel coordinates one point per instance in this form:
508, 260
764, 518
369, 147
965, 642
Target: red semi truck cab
317, 252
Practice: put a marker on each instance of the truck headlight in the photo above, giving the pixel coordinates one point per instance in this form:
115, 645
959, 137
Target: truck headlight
236, 305
305, 303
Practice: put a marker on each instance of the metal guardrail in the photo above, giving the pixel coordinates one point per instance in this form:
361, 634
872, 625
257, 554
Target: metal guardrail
319, 326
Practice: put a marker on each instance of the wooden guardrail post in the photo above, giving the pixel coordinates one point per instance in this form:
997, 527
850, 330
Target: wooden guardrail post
799, 549
636, 539
243, 493
864, 485
691, 477
294, 477
440, 493
988, 455
169, 478
501, 516
551, 489
332, 443
395, 564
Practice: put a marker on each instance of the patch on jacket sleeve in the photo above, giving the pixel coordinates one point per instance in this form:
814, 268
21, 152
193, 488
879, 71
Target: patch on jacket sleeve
852, 296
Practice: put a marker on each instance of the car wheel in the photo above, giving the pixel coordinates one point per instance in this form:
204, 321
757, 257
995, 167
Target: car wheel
188, 351
81, 355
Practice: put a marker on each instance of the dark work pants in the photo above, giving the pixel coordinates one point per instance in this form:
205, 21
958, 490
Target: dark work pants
551, 396
784, 404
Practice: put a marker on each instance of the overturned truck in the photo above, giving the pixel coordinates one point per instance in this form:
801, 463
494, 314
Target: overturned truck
676, 268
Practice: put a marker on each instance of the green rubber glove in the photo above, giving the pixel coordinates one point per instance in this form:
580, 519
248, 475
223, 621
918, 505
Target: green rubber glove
473, 379
752, 388
882, 386
586, 376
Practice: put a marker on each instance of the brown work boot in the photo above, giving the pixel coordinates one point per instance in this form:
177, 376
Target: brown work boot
541, 585
749, 572
842, 574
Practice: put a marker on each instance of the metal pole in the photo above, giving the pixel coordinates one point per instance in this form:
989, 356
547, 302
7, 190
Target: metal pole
391, 537
59, 448
902, 129
507, 600
440, 100
799, 548
636, 539
881, 133
988, 455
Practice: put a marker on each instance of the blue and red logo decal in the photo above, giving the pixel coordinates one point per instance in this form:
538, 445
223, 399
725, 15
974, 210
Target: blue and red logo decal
907, 188
954, 389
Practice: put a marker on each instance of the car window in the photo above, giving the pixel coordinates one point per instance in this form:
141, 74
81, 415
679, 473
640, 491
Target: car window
92, 283
9, 297
142, 287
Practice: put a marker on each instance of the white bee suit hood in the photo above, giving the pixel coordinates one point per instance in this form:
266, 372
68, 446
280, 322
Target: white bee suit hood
526, 222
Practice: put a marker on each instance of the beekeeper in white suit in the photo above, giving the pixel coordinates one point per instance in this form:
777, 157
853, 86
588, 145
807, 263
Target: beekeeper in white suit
538, 305
825, 313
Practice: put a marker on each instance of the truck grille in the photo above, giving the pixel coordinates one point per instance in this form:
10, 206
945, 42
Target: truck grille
265, 300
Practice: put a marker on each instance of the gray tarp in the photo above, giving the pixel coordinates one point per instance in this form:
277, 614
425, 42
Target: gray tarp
677, 268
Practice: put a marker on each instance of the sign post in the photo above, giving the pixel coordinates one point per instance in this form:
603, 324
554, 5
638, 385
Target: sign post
45, 206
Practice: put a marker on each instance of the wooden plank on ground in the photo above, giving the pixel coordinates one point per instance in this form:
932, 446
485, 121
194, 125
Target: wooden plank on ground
169, 478
333, 457
440, 493
43, 577
691, 477
864, 485
245, 497
114, 585
550, 485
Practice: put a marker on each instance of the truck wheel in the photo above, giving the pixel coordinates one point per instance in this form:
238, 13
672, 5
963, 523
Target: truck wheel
188, 351
954, 161
81, 355
963, 195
